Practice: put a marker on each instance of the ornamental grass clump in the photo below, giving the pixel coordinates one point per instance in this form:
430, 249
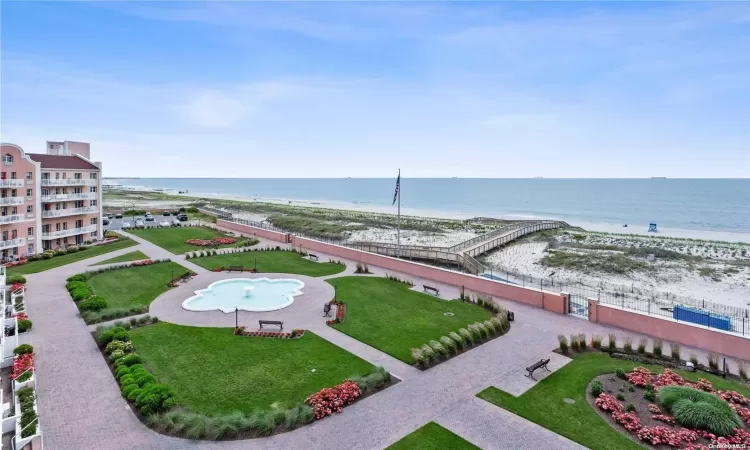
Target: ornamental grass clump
699, 410
612, 343
455, 337
418, 356
467, 336
582, 342
642, 346
563, 343
674, 350
713, 361
438, 348
596, 341
628, 345
658, 344
742, 368
574, 342
448, 344
428, 353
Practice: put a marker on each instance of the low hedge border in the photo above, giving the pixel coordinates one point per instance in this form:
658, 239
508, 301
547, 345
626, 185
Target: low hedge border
244, 249
295, 334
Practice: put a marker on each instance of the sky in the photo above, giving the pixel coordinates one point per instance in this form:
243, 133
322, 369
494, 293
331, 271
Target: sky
358, 89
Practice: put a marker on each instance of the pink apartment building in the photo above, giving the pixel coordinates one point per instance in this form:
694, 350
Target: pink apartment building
48, 200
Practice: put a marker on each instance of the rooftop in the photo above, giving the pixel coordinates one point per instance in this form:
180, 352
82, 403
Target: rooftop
62, 162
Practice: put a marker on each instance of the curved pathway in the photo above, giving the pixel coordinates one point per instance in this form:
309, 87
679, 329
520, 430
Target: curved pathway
81, 407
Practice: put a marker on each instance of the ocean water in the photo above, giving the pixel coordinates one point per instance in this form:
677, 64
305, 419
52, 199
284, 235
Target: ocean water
690, 204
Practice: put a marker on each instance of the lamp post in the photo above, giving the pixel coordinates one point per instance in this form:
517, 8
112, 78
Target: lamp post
236, 320
335, 290
172, 282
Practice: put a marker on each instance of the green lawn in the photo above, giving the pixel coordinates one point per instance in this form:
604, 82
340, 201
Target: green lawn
173, 238
271, 261
134, 286
433, 437
214, 372
57, 261
132, 256
389, 316
579, 422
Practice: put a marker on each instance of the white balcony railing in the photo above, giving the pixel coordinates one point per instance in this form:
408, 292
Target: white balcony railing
69, 182
11, 201
69, 232
11, 243
12, 218
69, 212
66, 197
11, 183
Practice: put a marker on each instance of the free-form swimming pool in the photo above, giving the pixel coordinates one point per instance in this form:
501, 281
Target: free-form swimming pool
259, 294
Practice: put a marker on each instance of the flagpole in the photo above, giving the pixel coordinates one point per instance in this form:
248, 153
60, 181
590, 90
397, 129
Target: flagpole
398, 219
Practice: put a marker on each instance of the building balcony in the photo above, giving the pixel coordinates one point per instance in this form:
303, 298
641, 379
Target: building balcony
11, 183
69, 232
67, 197
69, 182
11, 243
11, 201
47, 214
12, 218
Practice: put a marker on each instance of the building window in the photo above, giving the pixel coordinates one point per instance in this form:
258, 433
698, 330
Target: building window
57, 242
45, 176
93, 234
28, 176
12, 175
92, 203
14, 234
28, 192
28, 209
7, 159
45, 229
92, 175
30, 231
65, 241
92, 189
65, 175
31, 249
57, 175
93, 221
77, 176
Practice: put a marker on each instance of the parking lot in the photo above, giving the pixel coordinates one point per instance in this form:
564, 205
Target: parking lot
117, 224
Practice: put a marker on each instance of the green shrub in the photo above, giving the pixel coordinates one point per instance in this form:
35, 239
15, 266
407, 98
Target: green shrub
699, 410
144, 378
373, 381
95, 303
75, 284
649, 395
127, 389
125, 346
121, 371
78, 277
132, 359
631, 388
113, 334
135, 393
155, 398
24, 325
15, 278
620, 397
81, 293
127, 379
596, 388
23, 349
621, 374
116, 354
418, 356
630, 407
24, 376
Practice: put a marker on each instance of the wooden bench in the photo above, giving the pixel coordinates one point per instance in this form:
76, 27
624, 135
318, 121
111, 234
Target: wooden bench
327, 310
186, 276
542, 363
430, 288
277, 323
313, 257
236, 269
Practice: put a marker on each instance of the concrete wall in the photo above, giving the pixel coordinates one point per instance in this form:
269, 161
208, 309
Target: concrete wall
671, 331
247, 230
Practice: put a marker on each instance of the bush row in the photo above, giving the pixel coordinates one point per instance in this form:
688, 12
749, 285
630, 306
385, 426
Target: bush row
28, 415
242, 246
15, 279
454, 343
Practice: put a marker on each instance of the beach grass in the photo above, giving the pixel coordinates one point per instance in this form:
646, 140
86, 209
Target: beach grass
270, 261
543, 404
62, 260
433, 437
387, 315
132, 256
213, 371
173, 238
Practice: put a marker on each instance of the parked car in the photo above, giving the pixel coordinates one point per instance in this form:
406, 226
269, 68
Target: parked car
175, 223
149, 218
175, 212
105, 221
109, 216
139, 224
126, 225
166, 213
118, 216
182, 217
164, 223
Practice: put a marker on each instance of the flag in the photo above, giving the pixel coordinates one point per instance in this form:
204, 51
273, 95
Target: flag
398, 184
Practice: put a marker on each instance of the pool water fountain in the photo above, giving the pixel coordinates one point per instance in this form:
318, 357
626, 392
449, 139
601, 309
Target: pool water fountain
245, 294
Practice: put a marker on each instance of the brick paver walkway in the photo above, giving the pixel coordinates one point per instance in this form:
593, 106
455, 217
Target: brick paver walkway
81, 407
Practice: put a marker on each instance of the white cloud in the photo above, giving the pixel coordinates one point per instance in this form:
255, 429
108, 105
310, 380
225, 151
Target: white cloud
214, 109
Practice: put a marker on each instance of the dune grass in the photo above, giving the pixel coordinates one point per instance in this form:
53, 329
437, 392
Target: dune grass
215, 372
544, 405
132, 256
271, 261
389, 316
433, 437
62, 260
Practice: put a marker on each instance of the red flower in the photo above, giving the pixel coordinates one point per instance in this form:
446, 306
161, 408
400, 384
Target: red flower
21, 364
640, 376
608, 403
21, 316
330, 400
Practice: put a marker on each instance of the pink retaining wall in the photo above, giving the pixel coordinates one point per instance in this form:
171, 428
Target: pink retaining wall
546, 300
694, 336
247, 230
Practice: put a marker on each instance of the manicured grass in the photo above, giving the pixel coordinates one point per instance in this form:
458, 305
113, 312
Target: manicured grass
579, 422
392, 318
57, 261
214, 372
134, 286
433, 437
271, 261
132, 256
173, 238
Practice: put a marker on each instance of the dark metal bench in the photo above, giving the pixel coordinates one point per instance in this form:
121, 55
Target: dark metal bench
542, 363
277, 323
186, 276
430, 288
327, 310
236, 269
313, 257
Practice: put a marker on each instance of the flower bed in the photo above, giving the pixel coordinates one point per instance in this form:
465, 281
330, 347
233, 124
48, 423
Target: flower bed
330, 400
143, 262
211, 242
21, 364
340, 312
649, 419
295, 334
229, 269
